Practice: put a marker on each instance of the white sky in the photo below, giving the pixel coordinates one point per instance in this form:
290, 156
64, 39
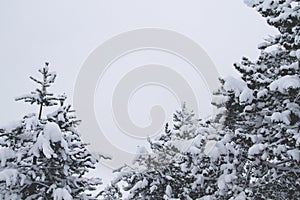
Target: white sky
66, 32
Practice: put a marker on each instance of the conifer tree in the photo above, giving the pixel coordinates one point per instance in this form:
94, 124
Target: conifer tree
255, 153
177, 166
43, 156
262, 110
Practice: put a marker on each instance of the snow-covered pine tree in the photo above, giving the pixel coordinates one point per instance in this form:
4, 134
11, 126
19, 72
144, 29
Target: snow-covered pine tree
111, 192
257, 153
43, 157
41, 96
263, 110
184, 123
171, 141
177, 166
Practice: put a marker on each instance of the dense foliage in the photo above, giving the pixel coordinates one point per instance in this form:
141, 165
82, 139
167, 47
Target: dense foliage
43, 157
251, 149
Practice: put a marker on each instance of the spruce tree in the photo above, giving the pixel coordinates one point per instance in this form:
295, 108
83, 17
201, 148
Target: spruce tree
253, 151
43, 156
177, 166
263, 109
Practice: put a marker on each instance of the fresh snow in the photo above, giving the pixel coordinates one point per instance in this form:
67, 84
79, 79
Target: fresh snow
262, 93
256, 149
51, 134
239, 88
5, 154
61, 194
168, 191
216, 150
284, 83
235, 85
281, 117
12, 125
10, 176
295, 154
294, 66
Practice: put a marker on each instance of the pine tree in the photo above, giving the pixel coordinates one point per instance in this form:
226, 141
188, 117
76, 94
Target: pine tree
263, 112
43, 157
184, 123
41, 96
171, 171
255, 153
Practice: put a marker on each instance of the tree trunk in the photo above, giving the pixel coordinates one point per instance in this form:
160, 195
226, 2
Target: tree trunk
41, 109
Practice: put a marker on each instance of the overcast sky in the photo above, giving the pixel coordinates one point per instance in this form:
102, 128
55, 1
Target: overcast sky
66, 32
